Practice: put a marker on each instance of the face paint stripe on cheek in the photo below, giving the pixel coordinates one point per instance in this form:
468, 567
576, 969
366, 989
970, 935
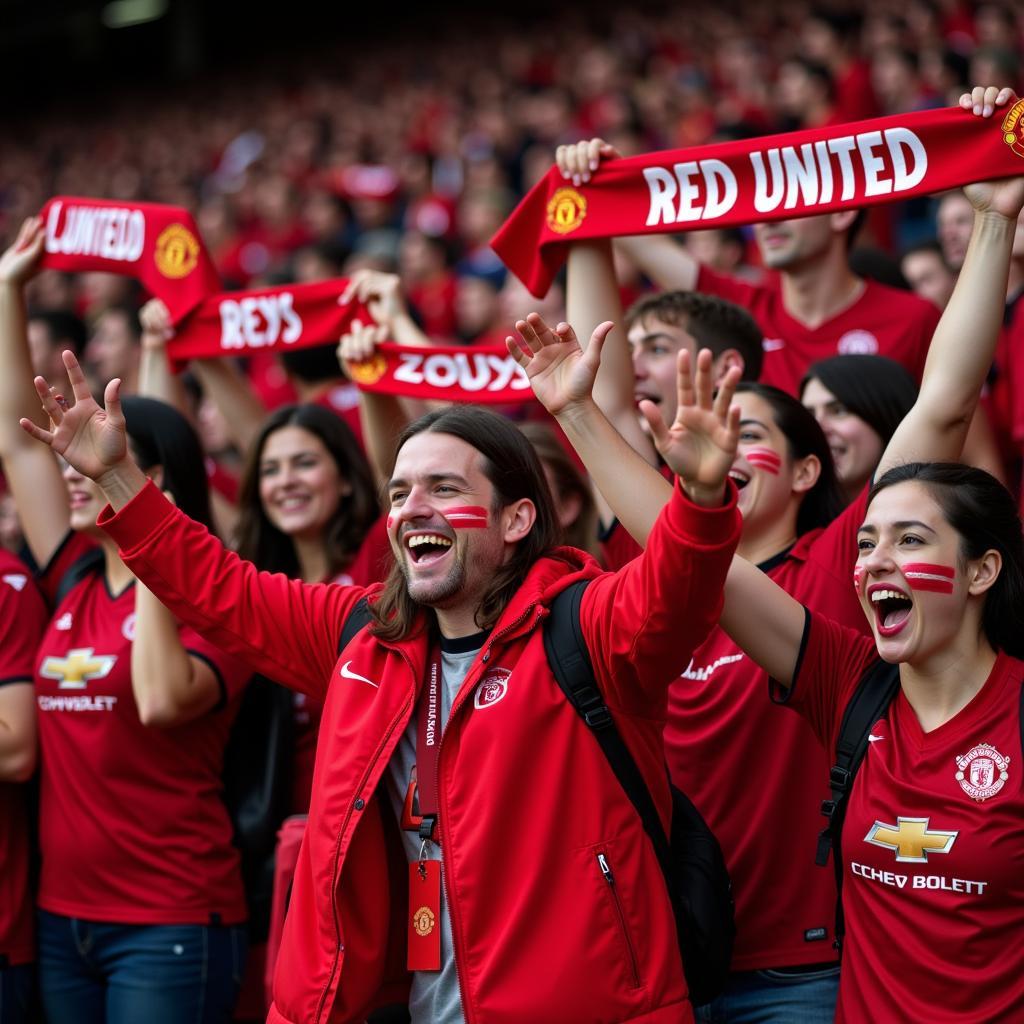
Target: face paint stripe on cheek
391, 521
938, 579
858, 575
764, 459
466, 517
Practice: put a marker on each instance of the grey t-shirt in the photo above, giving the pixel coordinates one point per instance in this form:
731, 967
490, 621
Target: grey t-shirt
435, 997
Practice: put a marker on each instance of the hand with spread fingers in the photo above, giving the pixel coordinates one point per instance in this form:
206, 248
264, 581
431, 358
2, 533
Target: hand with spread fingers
91, 439
1006, 196
700, 445
561, 373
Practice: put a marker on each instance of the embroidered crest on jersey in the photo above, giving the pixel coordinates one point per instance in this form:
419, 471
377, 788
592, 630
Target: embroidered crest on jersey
128, 627
982, 771
78, 668
492, 688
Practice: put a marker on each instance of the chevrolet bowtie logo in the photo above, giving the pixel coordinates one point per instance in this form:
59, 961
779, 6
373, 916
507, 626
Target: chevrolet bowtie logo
911, 838
78, 668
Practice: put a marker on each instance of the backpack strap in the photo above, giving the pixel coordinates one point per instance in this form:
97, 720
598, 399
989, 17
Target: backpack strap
875, 692
572, 668
357, 619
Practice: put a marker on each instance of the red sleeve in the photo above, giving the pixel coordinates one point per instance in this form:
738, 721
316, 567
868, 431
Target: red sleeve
832, 660
233, 673
286, 629
70, 550
23, 619
743, 293
642, 623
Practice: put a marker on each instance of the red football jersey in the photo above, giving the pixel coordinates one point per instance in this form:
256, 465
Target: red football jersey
132, 826
933, 846
22, 621
370, 565
880, 321
758, 774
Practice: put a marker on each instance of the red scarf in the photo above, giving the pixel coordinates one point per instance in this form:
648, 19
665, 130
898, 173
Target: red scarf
286, 317
157, 245
302, 315
770, 178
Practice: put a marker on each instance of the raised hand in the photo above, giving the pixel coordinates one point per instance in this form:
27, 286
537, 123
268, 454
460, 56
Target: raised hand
578, 161
360, 342
381, 292
21, 260
157, 329
1006, 196
700, 445
91, 439
561, 373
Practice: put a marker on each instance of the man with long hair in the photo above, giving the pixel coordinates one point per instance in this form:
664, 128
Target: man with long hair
469, 848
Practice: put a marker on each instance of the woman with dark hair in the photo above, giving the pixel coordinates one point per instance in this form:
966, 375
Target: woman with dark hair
859, 401
141, 908
931, 941
308, 508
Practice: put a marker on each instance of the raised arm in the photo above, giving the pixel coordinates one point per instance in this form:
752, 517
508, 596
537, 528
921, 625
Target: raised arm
964, 342
284, 627
156, 379
32, 472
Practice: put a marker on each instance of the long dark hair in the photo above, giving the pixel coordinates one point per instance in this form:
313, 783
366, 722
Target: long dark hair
824, 501
260, 542
161, 436
984, 514
878, 390
512, 466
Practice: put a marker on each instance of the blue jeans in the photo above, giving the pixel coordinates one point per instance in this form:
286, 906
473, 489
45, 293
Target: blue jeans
95, 973
16, 993
775, 997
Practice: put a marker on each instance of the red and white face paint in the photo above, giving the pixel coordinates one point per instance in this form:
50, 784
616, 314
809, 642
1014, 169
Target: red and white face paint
467, 517
938, 579
858, 575
764, 459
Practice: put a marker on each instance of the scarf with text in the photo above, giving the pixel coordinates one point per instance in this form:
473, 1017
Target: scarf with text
158, 245
303, 315
776, 177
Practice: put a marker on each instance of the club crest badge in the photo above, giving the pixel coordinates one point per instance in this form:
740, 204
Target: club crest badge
492, 688
368, 371
176, 252
128, 627
1013, 128
566, 210
423, 921
982, 771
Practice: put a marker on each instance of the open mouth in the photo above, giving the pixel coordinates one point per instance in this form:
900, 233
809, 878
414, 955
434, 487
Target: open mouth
892, 609
739, 478
425, 548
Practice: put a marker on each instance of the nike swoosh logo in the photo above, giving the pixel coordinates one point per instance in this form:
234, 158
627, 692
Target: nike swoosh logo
347, 673
871, 737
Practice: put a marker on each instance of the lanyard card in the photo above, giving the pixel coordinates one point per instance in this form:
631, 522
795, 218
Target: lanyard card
424, 915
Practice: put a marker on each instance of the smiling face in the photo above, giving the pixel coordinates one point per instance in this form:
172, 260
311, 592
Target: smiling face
300, 483
655, 347
771, 483
911, 579
855, 446
85, 500
447, 536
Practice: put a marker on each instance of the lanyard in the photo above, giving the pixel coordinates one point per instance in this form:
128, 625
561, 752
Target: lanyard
428, 743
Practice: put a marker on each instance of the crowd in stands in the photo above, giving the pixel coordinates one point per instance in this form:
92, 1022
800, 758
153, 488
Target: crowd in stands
393, 165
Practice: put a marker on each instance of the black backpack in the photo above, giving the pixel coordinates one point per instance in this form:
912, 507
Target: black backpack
875, 692
690, 858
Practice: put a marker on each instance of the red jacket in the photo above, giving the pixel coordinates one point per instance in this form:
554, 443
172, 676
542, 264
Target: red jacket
526, 798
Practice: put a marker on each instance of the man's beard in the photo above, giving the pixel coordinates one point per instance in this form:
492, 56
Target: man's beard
436, 593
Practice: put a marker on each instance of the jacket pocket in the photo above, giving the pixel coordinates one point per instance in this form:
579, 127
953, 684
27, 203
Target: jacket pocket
605, 867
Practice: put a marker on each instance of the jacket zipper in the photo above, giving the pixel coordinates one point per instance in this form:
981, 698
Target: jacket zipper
602, 863
337, 853
467, 1015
